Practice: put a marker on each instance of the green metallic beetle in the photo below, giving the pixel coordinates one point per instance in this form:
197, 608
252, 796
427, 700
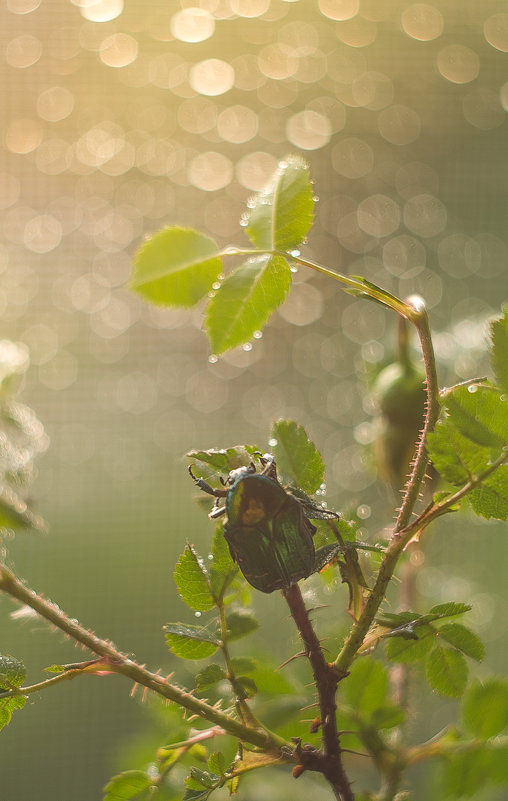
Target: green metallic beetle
268, 528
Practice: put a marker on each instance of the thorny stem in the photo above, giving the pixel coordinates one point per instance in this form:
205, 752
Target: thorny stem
244, 710
401, 537
328, 761
117, 662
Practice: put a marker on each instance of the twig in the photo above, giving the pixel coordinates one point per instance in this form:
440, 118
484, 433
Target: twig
117, 662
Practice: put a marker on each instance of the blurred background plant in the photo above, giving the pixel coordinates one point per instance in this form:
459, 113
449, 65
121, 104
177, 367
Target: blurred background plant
119, 120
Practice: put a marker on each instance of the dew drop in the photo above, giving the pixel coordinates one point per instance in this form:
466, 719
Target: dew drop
273, 442
472, 388
293, 268
316, 199
283, 165
295, 253
247, 347
197, 614
363, 511
216, 285
258, 335
213, 359
211, 294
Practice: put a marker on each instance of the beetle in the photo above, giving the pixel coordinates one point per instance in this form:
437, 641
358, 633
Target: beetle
268, 529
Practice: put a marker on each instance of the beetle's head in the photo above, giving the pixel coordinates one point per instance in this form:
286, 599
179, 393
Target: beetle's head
240, 472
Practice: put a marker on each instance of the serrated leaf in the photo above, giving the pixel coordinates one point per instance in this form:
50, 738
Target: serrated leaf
485, 708
210, 675
203, 777
133, 785
217, 763
455, 456
447, 671
245, 300
8, 706
448, 609
222, 567
499, 351
463, 639
366, 687
281, 215
176, 267
296, 455
12, 670
406, 651
240, 623
192, 581
480, 414
490, 499
190, 642
223, 460
192, 794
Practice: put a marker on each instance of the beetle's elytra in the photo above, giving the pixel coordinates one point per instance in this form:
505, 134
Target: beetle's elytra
267, 530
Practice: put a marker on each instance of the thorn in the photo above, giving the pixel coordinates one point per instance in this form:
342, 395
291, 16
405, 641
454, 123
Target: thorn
291, 659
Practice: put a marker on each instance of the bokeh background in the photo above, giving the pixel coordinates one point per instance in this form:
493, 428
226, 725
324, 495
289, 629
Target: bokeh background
120, 119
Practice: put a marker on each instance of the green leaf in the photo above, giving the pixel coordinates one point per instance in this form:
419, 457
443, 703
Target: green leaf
387, 716
447, 671
463, 639
272, 682
217, 763
366, 687
399, 649
223, 460
245, 300
244, 664
133, 784
222, 567
297, 457
202, 777
448, 609
281, 215
12, 671
191, 794
240, 623
210, 675
176, 267
490, 499
455, 457
485, 708
499, 351
190, 642
8, 706
480, 414
192, 581
466, 772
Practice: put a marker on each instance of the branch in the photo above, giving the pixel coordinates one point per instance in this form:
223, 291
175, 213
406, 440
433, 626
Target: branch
115, 661
329, 760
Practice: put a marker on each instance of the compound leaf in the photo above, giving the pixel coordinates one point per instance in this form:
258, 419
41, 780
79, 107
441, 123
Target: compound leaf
499, 351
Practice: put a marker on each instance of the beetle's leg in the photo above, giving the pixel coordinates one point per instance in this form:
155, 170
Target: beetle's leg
269, 468
217, 511
203, 485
